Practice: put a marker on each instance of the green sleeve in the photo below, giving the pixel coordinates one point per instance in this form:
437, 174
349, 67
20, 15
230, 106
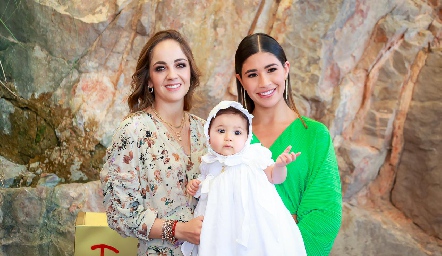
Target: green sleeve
320, 210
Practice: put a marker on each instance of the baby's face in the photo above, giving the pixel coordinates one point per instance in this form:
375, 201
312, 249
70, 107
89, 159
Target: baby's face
228, 134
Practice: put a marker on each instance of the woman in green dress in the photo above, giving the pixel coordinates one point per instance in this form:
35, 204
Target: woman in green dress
312, 190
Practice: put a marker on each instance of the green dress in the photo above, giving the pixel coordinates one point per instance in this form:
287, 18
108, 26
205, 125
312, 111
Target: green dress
312, 189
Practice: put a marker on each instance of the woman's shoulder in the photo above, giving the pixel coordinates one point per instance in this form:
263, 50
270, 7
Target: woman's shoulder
135, 121
311, 123
197, 119
315, 127
139, 115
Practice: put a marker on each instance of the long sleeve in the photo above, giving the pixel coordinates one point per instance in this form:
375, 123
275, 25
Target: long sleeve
312, 189
320, 209
123, 196
145, 176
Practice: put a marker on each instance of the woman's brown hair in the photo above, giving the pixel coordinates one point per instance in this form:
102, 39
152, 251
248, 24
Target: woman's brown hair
141, 98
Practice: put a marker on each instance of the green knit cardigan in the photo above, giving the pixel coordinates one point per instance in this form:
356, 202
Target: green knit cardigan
312, 189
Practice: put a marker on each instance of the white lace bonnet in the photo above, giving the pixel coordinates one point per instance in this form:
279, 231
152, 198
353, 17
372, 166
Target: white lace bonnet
223, 105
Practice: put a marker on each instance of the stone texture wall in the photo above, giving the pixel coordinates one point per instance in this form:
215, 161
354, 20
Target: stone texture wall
369, 70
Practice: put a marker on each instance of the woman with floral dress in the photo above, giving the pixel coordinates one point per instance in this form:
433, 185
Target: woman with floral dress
155, 150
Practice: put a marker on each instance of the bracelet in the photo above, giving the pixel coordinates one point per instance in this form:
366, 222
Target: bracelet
168, 231
173, 229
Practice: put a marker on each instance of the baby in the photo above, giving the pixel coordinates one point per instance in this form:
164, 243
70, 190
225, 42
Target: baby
243, 213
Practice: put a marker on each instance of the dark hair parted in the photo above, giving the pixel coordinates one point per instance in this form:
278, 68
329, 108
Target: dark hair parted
230, 110
141, 98
252, 44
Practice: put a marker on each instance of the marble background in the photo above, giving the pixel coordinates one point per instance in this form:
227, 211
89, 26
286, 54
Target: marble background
369, 70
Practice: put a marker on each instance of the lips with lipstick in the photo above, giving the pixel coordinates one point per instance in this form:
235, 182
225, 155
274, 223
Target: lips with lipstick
267, 93
173, 86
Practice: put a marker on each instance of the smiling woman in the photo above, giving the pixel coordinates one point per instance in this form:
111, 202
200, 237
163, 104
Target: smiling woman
169, 73
150, 160
312, 190
263, 77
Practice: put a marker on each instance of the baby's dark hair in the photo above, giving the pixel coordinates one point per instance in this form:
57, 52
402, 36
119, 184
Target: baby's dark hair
231, 110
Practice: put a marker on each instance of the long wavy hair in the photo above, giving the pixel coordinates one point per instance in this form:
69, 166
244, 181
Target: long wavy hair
141, 98
252, 44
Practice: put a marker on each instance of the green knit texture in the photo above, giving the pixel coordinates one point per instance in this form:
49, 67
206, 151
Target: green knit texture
312, 189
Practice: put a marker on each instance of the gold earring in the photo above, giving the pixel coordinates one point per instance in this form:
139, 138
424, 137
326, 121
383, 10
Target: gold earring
244, 98
286, 91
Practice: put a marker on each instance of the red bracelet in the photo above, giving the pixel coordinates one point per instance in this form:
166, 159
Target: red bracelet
168, 231
173, 229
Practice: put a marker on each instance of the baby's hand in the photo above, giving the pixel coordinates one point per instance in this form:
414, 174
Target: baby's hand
192, 187
286, 157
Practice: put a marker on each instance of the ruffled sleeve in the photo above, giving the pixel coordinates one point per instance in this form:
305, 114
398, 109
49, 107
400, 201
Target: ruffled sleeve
258, 156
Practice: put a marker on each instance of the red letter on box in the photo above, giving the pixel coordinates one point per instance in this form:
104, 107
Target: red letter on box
103, 247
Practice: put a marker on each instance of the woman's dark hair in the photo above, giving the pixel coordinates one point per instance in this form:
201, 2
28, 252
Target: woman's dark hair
141, 98
251, 44
231, 110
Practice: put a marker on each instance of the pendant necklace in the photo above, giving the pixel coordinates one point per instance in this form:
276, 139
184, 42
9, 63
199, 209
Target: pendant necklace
172, 127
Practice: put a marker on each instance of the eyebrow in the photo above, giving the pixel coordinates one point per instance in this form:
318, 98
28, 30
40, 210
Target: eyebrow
254, 70
235, 127
239, 128
164, 63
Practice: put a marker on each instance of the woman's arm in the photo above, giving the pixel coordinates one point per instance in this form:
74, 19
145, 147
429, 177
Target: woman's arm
123, 195
187, 231
320, 210
190, 231
124, 199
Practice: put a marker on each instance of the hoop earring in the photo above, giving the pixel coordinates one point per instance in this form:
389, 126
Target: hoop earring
286, 91
244, 98
150, 89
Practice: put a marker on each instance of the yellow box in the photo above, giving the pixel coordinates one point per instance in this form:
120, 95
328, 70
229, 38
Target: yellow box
93, 237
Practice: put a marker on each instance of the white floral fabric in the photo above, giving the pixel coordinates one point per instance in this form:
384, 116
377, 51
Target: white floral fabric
145, 176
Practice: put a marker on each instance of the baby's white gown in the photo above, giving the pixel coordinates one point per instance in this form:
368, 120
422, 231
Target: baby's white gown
243, 213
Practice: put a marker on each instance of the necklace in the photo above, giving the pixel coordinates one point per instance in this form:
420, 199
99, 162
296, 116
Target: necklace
172, 127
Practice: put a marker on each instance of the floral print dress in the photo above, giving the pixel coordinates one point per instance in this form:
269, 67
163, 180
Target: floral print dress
144, 177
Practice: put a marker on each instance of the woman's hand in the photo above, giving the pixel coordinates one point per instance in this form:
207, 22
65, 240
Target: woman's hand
189, 231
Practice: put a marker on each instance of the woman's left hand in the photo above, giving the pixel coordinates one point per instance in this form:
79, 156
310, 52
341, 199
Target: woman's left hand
189, 231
